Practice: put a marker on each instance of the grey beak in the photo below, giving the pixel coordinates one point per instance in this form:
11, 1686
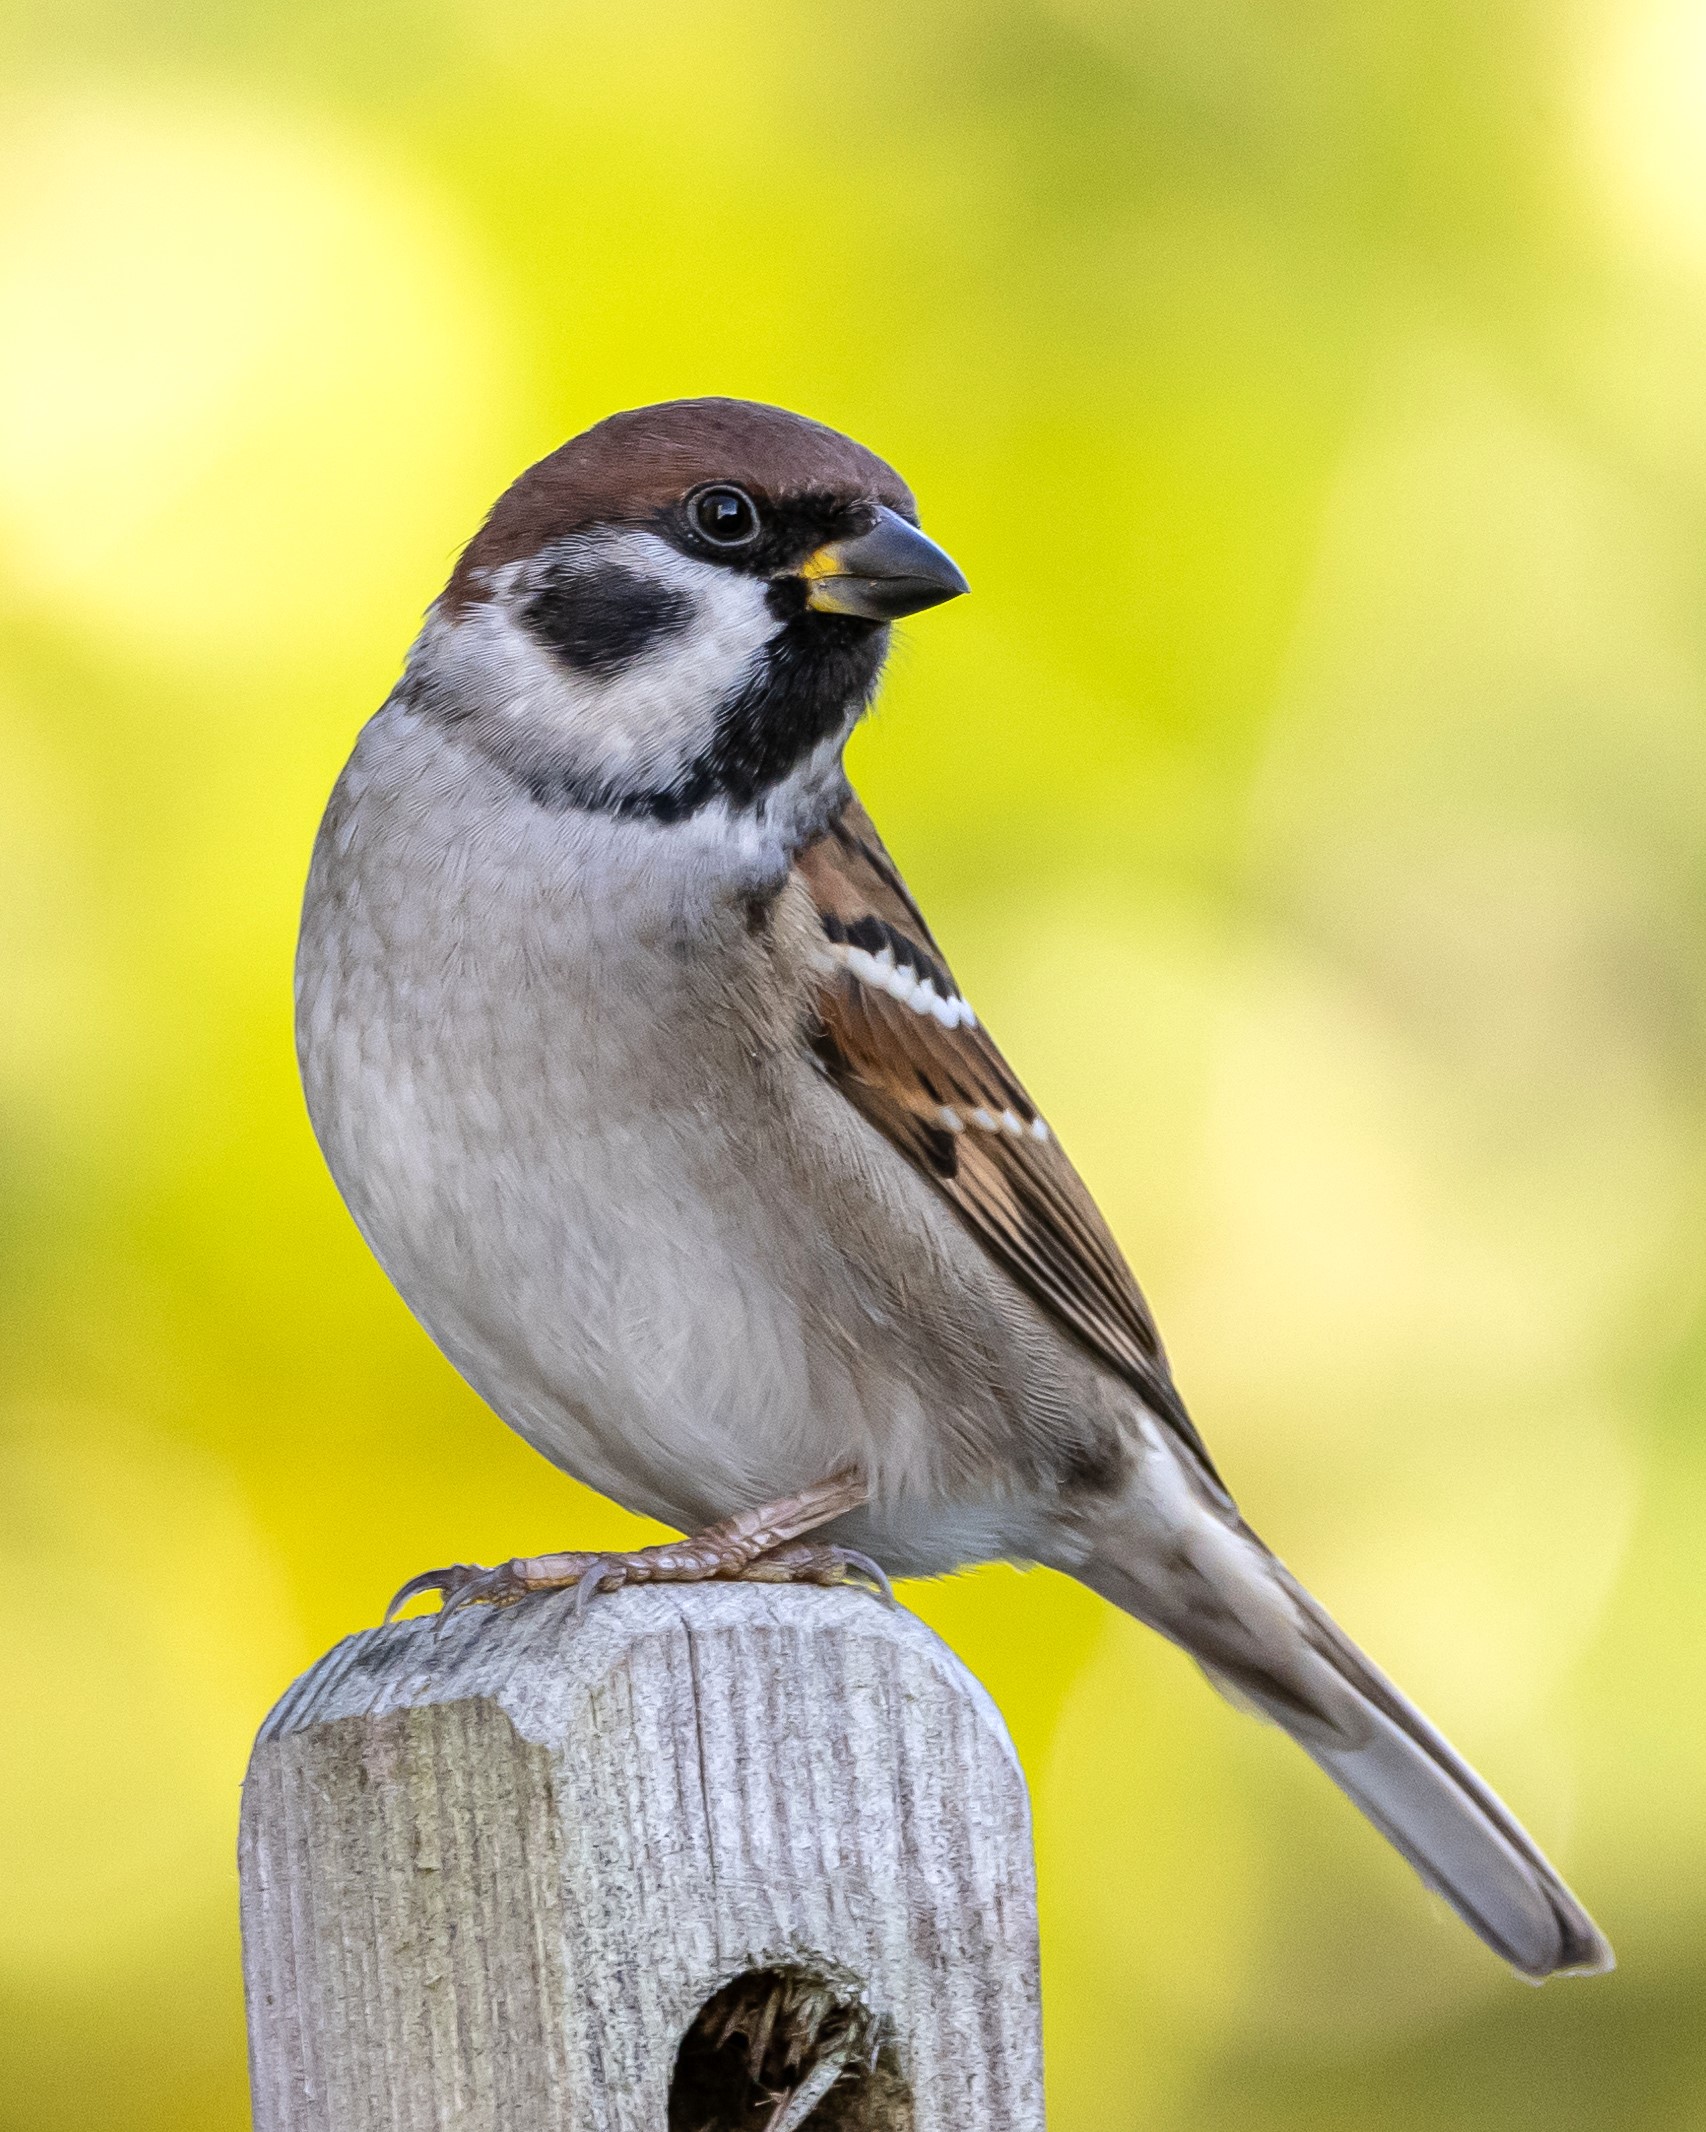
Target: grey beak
882, 574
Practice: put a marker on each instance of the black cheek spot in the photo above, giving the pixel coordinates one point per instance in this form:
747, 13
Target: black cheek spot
600, 618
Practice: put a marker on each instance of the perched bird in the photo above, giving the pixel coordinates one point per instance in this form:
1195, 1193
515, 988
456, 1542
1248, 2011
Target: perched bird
648, 1084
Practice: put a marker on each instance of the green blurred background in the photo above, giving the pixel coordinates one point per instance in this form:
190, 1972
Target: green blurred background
1311, 797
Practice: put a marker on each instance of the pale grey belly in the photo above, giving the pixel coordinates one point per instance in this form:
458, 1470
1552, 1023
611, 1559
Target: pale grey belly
652, 1305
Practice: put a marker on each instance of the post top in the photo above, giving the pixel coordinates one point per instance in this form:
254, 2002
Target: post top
540, 1659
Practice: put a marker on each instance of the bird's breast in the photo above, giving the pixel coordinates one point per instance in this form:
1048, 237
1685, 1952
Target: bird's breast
553, 1092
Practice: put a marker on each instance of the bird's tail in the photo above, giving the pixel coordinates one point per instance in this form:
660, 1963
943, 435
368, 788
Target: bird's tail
1266, 1643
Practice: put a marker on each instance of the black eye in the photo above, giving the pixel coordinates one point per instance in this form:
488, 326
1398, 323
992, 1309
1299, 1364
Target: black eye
725, 516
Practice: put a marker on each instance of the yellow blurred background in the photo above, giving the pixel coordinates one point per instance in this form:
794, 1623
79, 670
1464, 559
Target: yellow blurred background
1311, 797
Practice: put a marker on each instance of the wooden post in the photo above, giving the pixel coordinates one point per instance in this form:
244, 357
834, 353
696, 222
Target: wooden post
693, 1861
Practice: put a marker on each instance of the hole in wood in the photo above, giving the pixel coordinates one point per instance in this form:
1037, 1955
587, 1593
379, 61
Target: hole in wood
788, 2050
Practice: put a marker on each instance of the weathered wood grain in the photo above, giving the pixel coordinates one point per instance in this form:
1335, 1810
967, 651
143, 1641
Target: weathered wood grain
489, 1880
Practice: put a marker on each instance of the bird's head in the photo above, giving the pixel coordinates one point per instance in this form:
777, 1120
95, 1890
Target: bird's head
685, 608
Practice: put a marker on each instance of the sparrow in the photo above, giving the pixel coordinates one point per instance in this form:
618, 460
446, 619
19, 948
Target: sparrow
643, 1076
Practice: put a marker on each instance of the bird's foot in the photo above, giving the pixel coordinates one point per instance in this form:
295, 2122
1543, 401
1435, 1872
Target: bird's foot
762, 1546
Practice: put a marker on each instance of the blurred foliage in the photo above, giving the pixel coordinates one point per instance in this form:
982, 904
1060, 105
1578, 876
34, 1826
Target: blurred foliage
1310, 797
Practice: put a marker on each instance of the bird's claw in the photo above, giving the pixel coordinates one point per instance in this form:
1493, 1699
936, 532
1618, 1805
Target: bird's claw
462, 1584
871, 1573
429, 1580
606, 1574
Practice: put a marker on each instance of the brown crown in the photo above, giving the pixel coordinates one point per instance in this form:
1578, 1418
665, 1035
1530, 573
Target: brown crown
628, 467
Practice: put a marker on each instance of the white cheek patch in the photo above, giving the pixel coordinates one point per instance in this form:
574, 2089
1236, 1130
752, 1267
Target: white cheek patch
641, 725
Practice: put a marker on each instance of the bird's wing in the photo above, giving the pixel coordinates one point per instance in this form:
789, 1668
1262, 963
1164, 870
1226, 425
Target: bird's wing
902, 1045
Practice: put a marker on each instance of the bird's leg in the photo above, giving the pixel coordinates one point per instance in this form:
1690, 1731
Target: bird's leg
762, 1546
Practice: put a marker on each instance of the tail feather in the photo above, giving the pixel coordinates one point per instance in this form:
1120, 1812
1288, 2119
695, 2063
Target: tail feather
1266, 1642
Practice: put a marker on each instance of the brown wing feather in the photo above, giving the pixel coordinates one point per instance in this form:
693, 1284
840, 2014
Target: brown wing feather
929, 1078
